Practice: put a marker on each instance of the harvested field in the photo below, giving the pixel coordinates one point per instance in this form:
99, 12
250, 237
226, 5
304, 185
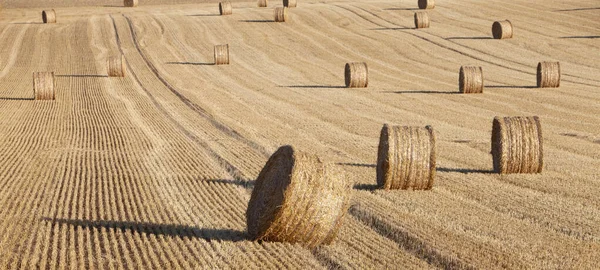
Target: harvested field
155, 170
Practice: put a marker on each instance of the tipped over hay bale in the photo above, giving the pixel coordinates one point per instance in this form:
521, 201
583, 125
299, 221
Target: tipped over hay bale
502, 29
426, 4
548, 74
131, 3
222, 54
49, 16
297, 198
517, 145
43, 85
116, 66
289, 3
262, 3
225, 8
281, 14
421, 20
406, 158
470, 80
356, 75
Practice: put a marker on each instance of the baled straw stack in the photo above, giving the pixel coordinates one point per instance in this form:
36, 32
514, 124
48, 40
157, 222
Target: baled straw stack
131, 3
43, 85
262, 3
406, 158
548, 74
281, 14
116, 66
421, 19
517, 145
426, 4
502, 29
49, 16
290, 3
470, 80
297, 198
356, 75
225, 8
222, 54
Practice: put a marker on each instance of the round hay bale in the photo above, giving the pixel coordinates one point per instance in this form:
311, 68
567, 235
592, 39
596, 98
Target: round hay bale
131, 3
225, 8
406, 158
262, 3
517, 145
116, 66
470, 80
281, 14
356, 75
548, 74
426, 4
222, 54
421, 20
43, 86
290, 3
297, 198
49, 16
502, 29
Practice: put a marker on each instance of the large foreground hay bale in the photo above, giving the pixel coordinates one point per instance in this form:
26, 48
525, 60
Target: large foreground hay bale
517, 145
116, 66
426, 4
43, 86
502, 29
222, 54
262, 3
406, 158
225, 8
297, 198
548, 74
290, 3
470, 80
281, 14
356, 75
131, 3
421, 20
49, 16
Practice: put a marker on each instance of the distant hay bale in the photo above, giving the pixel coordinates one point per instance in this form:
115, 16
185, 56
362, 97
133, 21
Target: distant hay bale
502, 29
49, 16
281, 14
262, 3
297, 198
548, 74
131, 3
225, 8
116, 66
43, 86
406, 158
290, 3
426, 4
356, 75
470, 80
421, 19
517, 145
222, 54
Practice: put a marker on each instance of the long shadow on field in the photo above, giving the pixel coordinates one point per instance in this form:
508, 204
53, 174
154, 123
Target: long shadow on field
590, 37
461, 170
245, 184
450, 38
257, 21
357, 164
401, 9
15, 98
156, 229
576, 9
82, 76
391, 28
27, 23
423, 92
367, 187
510, 86
204, 15
190, 63
313, 86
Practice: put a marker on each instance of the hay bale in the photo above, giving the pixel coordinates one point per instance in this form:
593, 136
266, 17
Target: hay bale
222, 54
131, 3
290, 3
116, 66
426, 4
421, 20
406, 158
281, 14
43, 86
49, 16
297, 198
517, 145
502, 29
548, 74
225, 8
356, 75
470, 80
262, 3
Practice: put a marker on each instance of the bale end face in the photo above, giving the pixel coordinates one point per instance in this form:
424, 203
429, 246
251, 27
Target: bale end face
225, 8
502, 29
297, 198
548, 74
130, 3
49, 16
421, 20
517, 145
281, 14
117, 66
289, 3
426, 4
222, 54
470, 80
43, 86
262, 3
356, 75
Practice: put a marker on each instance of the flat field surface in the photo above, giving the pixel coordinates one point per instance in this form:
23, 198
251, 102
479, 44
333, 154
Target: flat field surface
155, 170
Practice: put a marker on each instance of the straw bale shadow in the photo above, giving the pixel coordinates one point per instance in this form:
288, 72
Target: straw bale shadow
577, 9
450, 38
191, 63
401, 9
82, 76
590, 37
204, 15
366, 187
16, 98
313, 86
510, 86
423, 92
357, 164
391, 28
241, 183
27, 23
257, 21
462, 170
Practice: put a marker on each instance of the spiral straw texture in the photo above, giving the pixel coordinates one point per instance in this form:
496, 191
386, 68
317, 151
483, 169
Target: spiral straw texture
517, 145
502, 29
470, 80
43, 86
548, 74
356, 75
